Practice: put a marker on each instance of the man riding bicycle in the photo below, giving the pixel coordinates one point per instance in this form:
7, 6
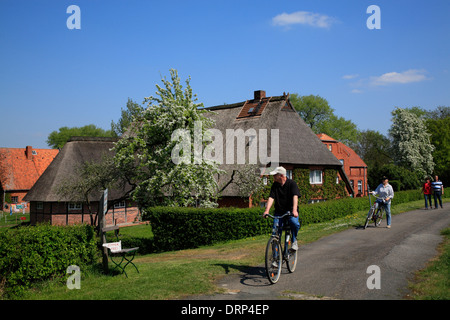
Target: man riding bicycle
285, 193
385, 193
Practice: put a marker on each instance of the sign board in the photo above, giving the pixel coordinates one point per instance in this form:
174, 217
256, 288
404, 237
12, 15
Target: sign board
113, 246
23, 218
105, 201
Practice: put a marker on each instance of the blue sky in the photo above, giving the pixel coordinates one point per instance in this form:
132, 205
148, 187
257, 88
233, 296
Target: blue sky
51, 76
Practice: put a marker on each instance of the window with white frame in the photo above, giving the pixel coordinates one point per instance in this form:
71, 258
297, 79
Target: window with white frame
315, 176
120, 204
360, 186
75, 205
289, 174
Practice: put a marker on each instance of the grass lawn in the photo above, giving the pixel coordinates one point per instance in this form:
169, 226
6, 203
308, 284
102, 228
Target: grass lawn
433, 282
177, 274
7, 220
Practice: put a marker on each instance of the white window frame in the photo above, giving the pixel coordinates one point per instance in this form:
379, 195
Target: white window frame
73, 206
360, 186
120, 204
289, 174
315, 177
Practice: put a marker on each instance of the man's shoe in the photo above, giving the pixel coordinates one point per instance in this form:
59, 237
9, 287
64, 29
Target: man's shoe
294, 246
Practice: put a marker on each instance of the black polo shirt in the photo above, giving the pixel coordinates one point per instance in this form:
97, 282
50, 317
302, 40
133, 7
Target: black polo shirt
284, 196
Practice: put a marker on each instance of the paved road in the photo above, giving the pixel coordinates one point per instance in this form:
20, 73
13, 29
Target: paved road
336, 266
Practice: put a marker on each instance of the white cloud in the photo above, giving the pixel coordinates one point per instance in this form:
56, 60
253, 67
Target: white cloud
408, 76
303, 17
350, 76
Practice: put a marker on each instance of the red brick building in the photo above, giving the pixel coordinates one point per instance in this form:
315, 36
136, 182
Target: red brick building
20, 168
47, 204
354, 166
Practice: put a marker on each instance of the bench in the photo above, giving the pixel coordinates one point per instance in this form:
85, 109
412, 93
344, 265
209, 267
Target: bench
115, 249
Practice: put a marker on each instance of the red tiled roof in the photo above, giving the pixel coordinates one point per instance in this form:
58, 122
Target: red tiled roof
352, 158
21, 167
324, 137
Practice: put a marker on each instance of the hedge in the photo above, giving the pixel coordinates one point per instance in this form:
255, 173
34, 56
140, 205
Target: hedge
34, 253
182, 228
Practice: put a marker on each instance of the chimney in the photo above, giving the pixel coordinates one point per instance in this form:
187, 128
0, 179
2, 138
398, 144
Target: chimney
259, 94
29, 152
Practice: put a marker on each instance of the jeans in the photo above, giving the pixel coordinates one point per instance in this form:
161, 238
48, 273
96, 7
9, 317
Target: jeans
428, 197
437, 195
293, 222
387, 208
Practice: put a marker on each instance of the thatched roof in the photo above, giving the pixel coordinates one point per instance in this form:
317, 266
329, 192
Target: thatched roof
298, 145
75, 152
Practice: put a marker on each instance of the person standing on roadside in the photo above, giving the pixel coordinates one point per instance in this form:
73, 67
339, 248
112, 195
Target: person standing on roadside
438, 191
426, 189
385, 193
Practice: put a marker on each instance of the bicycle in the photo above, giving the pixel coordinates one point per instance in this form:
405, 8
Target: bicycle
276, 255
375, 213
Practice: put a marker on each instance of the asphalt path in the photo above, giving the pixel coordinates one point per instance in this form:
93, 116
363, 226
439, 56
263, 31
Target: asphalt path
340, 266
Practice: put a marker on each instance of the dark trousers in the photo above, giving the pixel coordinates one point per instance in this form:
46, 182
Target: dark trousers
437, 196
428, 199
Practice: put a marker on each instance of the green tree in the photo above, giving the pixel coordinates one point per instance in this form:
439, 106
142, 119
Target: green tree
144, 153
314, 110
440, 138
411, 144
374, 148
57, 139
132, 111
320, 117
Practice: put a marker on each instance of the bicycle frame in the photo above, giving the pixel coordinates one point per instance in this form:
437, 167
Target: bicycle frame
375, 214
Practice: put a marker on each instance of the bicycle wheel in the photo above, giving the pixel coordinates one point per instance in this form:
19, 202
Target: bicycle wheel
369, 217
291, 261
274, 260
378, 217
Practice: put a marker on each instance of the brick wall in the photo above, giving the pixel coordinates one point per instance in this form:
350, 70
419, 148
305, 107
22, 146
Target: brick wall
58, 213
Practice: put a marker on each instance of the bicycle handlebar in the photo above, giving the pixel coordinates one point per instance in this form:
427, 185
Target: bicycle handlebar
288, 214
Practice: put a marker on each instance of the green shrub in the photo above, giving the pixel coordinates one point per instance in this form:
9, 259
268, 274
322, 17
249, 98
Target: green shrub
181, 228
35, 253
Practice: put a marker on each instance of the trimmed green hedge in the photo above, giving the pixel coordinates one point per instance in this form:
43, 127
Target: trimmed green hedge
182, 228
34, 253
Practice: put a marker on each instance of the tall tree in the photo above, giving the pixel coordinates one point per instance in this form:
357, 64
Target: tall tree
374, 148
411, 144
314, 110
320, 117
440, 138
132, 111
145, 153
